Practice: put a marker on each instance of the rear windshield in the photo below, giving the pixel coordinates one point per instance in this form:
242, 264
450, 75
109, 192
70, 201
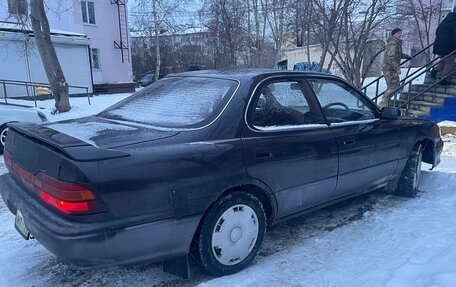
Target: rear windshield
175, 102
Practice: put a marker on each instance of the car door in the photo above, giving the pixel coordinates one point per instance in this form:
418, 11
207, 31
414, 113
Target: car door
288, 146
368, 146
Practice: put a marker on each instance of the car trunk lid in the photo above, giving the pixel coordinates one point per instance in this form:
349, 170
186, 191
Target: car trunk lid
87, 139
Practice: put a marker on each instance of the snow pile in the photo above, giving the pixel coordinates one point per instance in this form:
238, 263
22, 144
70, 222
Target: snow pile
449, 146
79, 106
447, 124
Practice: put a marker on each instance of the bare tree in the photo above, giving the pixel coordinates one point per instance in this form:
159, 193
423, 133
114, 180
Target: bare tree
276, 15
54, 72
227, 25
257, 35
359, 20
423, 13
154, 20
327, 19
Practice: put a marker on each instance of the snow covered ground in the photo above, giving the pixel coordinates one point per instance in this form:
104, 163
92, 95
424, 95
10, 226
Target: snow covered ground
372, 240
80, 106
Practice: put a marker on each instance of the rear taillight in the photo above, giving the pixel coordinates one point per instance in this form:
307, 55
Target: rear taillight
67, 197
70, 207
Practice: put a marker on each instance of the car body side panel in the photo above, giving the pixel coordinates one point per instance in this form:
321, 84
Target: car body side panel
300, 166
369, 154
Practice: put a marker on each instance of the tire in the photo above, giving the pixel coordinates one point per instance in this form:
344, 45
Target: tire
231, 234
410, 177
3, 132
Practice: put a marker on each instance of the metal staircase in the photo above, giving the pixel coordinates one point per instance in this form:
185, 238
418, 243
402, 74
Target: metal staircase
430, 100
122, 44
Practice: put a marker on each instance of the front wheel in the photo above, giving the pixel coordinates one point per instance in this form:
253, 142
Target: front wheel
410, 177
3, 132
231, 234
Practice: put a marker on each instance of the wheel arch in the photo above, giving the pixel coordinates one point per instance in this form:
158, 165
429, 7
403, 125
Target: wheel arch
2, 126
265, 196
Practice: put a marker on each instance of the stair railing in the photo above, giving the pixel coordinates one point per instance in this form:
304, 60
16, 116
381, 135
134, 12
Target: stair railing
34, 85
437, 82
410, 80
377, 80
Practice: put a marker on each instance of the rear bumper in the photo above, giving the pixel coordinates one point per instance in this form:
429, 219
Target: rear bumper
99, 244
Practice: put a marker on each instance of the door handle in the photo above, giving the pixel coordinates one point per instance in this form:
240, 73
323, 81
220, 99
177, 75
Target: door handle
263, 155
348, 141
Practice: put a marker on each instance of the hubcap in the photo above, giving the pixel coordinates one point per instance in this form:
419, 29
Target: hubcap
235, 234
3, 136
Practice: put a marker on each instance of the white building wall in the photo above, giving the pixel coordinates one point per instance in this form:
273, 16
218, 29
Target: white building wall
66, 15
19, 63
102, 36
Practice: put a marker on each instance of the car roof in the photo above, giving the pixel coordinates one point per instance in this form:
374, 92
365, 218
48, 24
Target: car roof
248, 74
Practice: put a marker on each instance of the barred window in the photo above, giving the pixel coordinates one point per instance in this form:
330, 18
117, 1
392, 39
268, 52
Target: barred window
95, 58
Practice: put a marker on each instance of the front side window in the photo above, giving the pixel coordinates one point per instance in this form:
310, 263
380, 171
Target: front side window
17, 7
176, 102
283, 104
340, 102
88, 12
95, 58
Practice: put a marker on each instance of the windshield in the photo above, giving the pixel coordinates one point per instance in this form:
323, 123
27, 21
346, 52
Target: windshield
175, 102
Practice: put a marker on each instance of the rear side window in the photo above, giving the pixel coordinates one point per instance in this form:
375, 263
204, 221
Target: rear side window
284, 104
175, 102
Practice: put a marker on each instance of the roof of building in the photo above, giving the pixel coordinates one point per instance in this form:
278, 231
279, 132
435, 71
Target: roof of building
25, 28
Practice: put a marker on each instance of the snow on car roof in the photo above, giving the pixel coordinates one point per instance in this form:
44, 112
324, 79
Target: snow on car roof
245, 74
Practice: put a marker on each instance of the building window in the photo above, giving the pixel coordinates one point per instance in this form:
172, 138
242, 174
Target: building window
88, 12
17, 7
95, 58
388, 33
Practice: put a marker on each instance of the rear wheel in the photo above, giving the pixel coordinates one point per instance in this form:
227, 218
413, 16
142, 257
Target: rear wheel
231, 234
3, 132
410, 178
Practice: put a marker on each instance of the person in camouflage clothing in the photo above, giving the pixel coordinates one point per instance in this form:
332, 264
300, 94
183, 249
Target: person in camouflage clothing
391, 64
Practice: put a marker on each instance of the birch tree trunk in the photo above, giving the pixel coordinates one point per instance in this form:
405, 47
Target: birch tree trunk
54, 73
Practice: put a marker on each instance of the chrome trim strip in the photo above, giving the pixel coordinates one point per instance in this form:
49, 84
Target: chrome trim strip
300, 127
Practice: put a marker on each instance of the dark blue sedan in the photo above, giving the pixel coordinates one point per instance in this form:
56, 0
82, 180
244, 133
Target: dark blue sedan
200, 163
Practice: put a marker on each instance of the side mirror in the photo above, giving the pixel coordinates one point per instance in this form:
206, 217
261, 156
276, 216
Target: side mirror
389, 113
